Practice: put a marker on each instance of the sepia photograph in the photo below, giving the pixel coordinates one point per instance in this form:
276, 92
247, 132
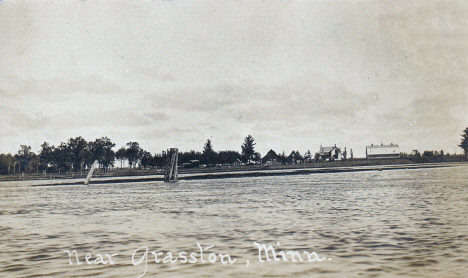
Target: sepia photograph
233, 138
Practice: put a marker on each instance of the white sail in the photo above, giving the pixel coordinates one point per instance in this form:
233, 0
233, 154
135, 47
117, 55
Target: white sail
88, 178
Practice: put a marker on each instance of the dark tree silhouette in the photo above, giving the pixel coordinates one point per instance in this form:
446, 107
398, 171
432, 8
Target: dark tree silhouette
186, 157
7, 164
228, 157
46, 156
464, 141
146, 158
248, 148
133, 153
121, 154
24, 156
102, 151
77, 148
209, 155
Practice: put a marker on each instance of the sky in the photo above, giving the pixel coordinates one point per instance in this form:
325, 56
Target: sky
293, 74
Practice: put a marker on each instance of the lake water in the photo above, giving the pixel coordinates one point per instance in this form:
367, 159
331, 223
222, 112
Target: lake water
401, 223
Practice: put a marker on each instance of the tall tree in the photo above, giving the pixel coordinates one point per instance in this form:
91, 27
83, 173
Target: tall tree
88, 155
77, 149
61, 157
24, 156
46, 156
307, 155
121, 154
102, 151
209, 155
7, 163
208, 147
34, 163
146, 158
133, 153
248, 148
464, 141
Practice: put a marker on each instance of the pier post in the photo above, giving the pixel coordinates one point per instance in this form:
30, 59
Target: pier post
171, 174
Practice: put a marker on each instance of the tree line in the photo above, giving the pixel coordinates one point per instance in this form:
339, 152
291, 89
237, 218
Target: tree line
431, 156
77, 155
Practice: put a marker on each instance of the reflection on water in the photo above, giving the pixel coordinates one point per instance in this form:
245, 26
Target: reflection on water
388, 223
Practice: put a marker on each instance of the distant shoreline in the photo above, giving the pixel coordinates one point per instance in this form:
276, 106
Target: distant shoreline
234, 173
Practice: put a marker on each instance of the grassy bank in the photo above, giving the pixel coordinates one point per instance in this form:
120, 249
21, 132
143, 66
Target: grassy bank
117, 172
149, 175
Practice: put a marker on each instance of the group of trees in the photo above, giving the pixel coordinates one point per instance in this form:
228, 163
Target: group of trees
78, 154
135, 155
427, 156
439, 156
24, 160
210, 157
75, 155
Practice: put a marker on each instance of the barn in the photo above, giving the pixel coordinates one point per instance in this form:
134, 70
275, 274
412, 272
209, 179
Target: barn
382, 151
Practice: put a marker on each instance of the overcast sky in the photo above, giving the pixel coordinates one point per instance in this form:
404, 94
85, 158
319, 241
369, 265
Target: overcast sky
293, 74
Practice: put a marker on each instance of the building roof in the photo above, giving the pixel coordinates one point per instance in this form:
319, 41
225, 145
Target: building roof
383, 146
328, 149
295, 154
271, 154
